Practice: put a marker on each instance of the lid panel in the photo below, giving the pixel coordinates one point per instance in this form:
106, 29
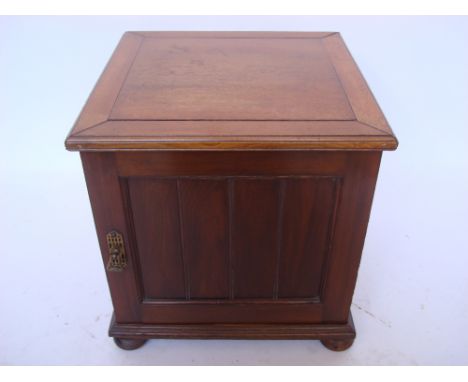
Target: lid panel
231, 90
232, 79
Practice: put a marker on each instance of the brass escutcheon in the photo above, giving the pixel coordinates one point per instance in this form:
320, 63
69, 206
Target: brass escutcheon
117, 259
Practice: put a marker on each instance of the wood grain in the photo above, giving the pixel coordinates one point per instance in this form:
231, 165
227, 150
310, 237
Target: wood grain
109, 214
204, 218
237, 91
297, 223
231, 34
349, 234
154, 207
308, 207
102, 98
254, 239
336, 332
231, 237
229, 163
239, 168
359, 95
231, 79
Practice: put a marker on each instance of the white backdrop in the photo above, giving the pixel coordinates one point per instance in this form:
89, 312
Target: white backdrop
411, 300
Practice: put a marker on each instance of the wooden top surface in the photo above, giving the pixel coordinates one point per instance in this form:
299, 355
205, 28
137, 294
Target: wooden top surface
231, 90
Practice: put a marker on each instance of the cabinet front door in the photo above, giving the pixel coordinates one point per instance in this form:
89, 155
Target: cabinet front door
231, 237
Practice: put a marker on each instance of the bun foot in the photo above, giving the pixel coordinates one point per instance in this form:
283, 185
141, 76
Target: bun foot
337, 345
128, 343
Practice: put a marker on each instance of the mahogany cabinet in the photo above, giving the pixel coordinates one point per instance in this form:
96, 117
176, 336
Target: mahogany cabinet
231, 177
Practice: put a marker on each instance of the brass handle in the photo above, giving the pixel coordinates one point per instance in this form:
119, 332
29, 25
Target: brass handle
117, 259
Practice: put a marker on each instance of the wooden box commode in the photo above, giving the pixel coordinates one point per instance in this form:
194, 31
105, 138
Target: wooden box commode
231, 177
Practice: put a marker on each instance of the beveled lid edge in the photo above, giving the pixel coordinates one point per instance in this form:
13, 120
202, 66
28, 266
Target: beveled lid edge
115, 72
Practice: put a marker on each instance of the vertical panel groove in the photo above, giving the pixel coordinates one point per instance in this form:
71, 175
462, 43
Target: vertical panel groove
184, 262
132, 242
331, 234
230, 212
279, 234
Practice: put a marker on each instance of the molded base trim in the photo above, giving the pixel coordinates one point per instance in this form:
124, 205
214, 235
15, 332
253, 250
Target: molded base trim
337, 332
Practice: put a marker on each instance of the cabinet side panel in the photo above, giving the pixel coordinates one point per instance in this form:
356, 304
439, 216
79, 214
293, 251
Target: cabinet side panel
155, 207
352, 218
107, 203
204, 222
307, 210
254, 241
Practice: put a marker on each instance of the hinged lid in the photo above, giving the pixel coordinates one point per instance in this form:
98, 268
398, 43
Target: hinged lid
231, 90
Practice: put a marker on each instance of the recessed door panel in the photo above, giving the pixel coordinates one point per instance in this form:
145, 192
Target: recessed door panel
231, 239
